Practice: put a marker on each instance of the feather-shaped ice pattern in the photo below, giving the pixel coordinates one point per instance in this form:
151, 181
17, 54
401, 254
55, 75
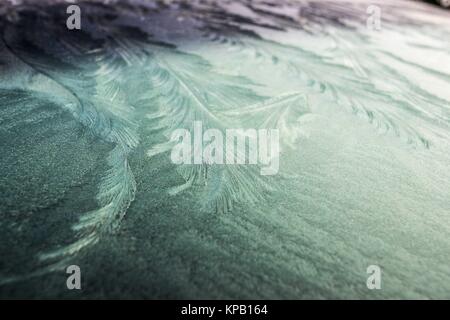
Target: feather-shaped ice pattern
186, 90
86, 118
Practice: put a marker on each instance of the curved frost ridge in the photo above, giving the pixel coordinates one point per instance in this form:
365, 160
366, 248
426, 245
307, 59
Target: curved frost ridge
93, 93
117, 190
112, 119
